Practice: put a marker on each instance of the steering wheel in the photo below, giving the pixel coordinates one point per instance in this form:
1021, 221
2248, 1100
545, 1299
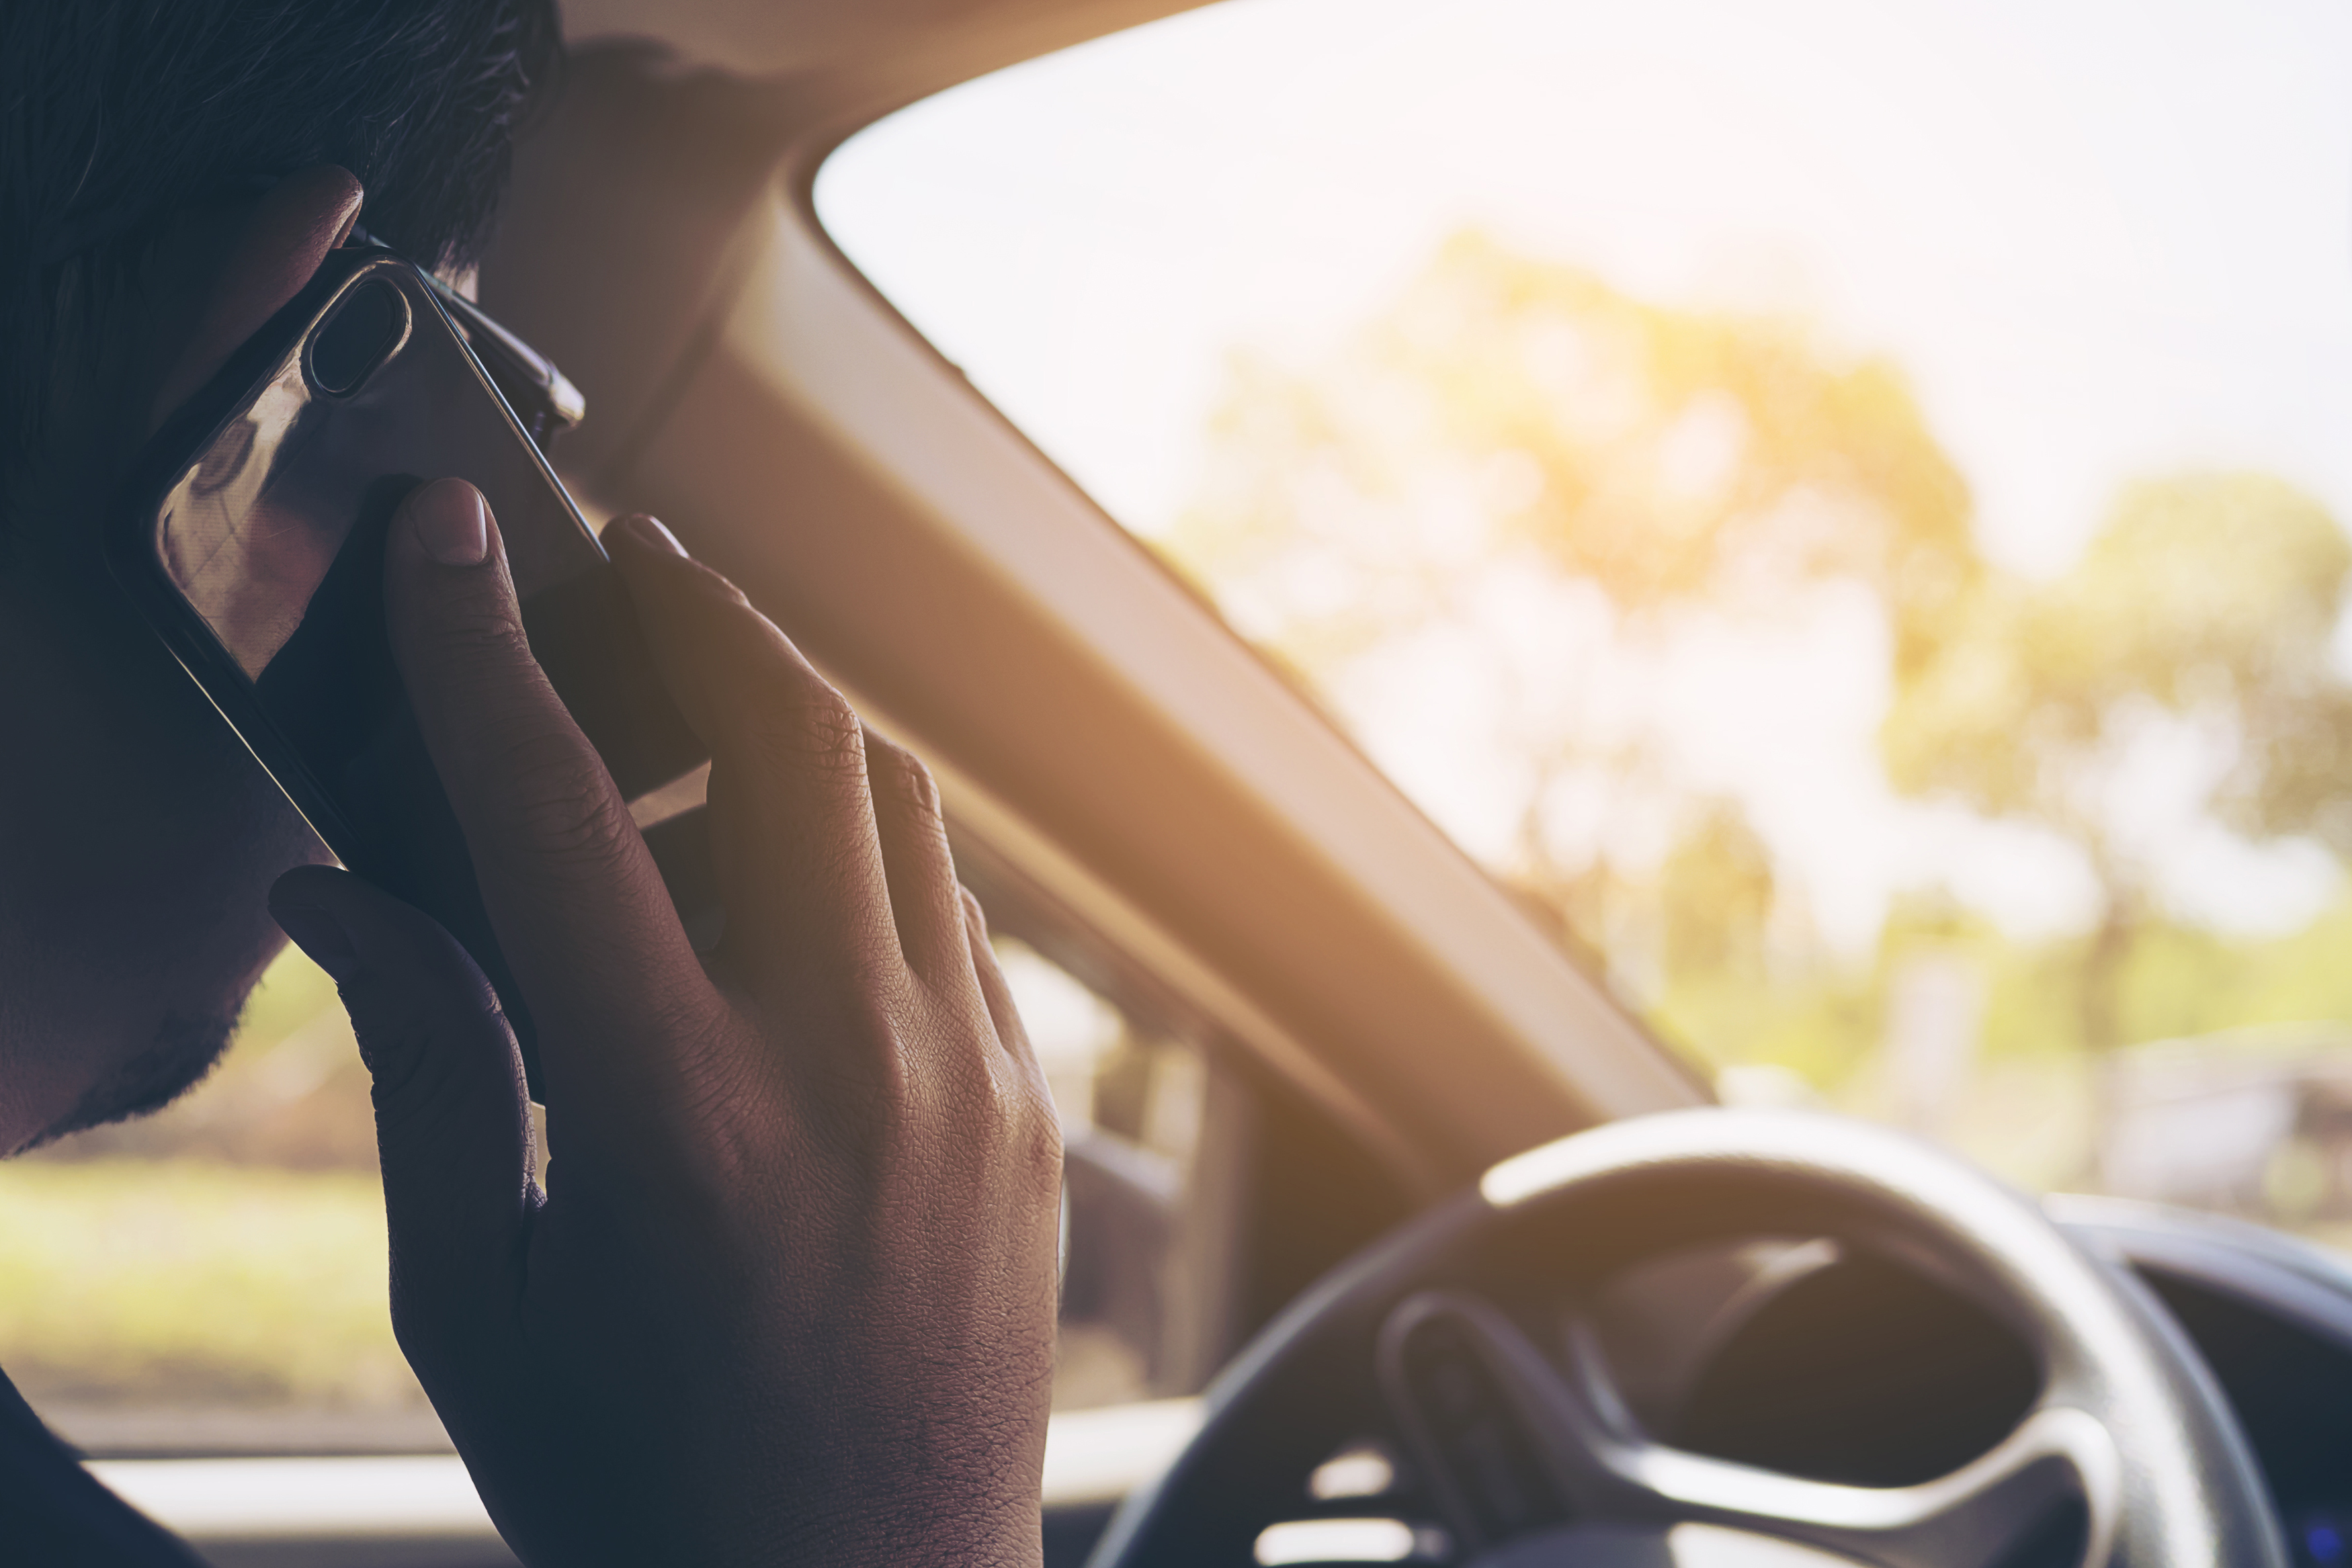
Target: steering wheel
1510, 1424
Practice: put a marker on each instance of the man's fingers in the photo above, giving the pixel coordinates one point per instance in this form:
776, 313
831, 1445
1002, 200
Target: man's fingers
579, 906
926, 903
791, 815
453, 1126
1001, 1010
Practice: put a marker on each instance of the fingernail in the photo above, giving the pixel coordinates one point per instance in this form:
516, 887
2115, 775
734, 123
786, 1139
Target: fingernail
649, 532
447, 518
321, 937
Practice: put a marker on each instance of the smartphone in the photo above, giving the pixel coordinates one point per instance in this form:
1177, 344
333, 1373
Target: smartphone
252, 542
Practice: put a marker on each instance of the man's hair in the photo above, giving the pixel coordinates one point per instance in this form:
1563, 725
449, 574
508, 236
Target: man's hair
116, 114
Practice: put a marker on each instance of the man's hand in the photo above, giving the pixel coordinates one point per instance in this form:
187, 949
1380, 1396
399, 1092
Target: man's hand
789, 1295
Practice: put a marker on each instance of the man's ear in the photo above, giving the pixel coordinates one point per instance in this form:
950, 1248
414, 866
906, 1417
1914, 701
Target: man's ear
265, 251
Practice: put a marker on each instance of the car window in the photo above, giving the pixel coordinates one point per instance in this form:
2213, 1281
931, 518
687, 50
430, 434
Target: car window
1838, 506
212, 1279
1134, 1104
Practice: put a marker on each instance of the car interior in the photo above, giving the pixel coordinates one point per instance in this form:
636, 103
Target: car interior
1393, 1233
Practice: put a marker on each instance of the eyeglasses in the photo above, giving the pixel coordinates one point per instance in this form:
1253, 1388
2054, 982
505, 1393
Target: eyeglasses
543, 398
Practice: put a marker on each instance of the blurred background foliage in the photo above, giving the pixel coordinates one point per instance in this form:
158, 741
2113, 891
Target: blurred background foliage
225, 1254
1516, 418
1670, 475
2207, 602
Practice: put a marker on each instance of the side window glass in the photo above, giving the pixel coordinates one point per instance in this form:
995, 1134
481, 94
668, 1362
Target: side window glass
212, 1277
1140, 1289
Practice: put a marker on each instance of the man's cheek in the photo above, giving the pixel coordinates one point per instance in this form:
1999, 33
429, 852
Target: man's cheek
138, 837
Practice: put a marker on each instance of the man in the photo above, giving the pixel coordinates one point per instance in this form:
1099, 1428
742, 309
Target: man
792, 1299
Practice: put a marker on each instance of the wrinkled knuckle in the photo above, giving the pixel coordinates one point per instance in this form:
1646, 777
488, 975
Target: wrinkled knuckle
1039, 1143
811, 727
911, 784
390, 1031
711, 584
397, 1026
1009, 1110
475, 628
418, 1087
722, 1122
556, 800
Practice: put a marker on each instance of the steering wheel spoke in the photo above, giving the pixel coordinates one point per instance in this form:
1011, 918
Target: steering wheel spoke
1455, 1367
1976, 1515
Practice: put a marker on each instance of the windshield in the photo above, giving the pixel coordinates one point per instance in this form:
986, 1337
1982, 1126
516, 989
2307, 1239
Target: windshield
1837, 505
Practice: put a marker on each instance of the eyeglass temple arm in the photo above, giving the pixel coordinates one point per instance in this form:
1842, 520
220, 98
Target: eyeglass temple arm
562, 400
513, 363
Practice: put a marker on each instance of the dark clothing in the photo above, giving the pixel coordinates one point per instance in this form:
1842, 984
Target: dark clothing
55, 1514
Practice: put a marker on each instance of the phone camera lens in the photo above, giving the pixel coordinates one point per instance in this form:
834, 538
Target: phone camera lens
355, 341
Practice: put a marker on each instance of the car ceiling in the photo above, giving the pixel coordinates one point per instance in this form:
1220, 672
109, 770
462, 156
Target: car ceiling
927, 42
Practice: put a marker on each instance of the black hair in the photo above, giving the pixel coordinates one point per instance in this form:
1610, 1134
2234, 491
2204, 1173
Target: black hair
116, 115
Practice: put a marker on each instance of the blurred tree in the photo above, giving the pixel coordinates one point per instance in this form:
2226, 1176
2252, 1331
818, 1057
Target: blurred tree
1715, 894
1520, 459
2207, 602
1662, 455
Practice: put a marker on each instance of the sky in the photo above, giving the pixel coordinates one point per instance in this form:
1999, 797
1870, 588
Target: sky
2105, 240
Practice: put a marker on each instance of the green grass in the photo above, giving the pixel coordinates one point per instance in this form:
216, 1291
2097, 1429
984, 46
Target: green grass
193, 1282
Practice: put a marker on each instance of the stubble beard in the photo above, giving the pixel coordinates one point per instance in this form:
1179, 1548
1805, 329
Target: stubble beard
185, 1049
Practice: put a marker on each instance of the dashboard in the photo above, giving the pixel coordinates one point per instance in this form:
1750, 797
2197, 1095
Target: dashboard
2272, 1318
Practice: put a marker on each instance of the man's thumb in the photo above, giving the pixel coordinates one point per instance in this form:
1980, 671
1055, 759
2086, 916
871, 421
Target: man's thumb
453, 1123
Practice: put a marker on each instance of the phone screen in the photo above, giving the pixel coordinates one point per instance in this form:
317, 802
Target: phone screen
258, 551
